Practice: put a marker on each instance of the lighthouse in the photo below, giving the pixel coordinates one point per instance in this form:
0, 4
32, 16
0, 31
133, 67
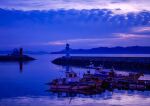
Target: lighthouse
67, 50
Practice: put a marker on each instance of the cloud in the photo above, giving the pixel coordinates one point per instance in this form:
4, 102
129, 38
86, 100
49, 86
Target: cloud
118, 39
81, 28
144, 29
85, 43
131, 36
76, 41
117, 6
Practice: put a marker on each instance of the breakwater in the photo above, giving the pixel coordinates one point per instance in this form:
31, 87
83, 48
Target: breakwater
132, 63
16, 58
16, 55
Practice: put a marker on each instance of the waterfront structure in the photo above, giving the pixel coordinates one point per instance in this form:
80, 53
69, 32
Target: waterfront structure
67, 50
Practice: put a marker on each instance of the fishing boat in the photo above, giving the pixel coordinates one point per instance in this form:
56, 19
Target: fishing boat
71, 82
99, 81
115, 80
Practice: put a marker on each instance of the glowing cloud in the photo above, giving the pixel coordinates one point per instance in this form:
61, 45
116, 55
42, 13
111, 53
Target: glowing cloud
141, 29
129, 36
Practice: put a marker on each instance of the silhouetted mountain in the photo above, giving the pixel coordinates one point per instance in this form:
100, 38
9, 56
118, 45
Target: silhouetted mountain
110, 50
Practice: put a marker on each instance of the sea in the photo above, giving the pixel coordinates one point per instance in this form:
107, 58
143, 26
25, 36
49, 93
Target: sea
25, 84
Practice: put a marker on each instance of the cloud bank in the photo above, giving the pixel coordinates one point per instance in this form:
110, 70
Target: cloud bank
117, 6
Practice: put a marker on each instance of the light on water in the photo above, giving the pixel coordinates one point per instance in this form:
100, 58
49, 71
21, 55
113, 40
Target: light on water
116, 98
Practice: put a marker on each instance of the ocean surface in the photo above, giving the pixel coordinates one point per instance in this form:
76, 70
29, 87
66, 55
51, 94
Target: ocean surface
24, 84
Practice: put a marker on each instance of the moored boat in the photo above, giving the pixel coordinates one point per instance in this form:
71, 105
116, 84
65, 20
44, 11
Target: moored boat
99, 81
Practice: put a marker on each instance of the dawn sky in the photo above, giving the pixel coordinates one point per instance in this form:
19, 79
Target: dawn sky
49, 24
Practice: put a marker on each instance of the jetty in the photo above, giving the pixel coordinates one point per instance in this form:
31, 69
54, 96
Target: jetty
132, 63
16, 55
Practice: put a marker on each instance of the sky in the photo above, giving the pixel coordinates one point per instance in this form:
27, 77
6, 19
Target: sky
50, 24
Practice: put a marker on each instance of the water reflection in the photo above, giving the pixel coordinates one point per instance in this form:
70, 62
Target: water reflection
115, 98
20, 64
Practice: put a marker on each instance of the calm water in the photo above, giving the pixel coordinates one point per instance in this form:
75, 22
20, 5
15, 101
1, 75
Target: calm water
27, 87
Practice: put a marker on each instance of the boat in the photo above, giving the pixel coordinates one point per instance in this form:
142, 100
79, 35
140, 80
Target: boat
115, 80
73, 83
99, 81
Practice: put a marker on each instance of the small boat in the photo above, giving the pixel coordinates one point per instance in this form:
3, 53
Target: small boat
71, 82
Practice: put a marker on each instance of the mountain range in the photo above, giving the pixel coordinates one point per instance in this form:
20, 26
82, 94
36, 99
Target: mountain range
109, 50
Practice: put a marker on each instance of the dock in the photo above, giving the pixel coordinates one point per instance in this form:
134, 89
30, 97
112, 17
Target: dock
131, 63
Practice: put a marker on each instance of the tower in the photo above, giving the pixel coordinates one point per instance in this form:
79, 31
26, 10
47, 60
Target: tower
67, 50
21, 52
67, 57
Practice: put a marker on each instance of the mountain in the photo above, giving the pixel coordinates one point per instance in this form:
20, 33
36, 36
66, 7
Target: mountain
110, 50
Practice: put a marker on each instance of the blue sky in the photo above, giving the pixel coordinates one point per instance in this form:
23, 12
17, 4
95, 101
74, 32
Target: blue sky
49, 24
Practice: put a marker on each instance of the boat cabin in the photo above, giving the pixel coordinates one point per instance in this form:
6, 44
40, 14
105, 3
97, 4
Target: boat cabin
72, 77
71, 74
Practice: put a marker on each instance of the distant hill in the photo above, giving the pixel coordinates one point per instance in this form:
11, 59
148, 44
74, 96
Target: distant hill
110, 50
